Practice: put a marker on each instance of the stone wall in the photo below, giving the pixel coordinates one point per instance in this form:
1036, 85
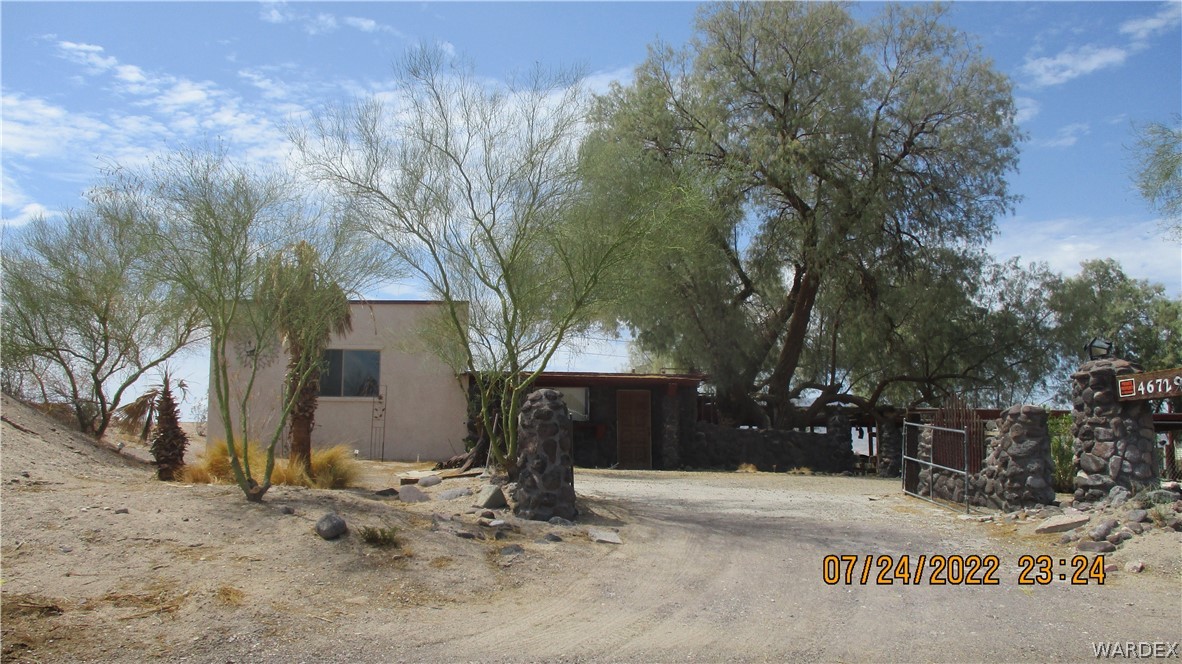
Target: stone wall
1017, 471
890, 447
770, 450
546, 480
1114, 440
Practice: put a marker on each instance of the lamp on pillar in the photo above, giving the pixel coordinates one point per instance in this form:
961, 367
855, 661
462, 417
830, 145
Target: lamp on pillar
1099, 349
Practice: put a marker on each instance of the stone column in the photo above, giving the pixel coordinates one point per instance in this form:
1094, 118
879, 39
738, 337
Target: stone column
1020, 469
670, 428
890, 446
1114, 440
837, 427
545, 461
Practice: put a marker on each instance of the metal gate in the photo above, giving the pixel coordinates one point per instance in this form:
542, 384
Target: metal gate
952, 445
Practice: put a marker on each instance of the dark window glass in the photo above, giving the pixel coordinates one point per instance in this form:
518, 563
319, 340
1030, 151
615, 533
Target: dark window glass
350, 373
362, 368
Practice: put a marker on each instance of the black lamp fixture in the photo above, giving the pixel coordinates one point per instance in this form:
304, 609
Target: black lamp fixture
1099, 349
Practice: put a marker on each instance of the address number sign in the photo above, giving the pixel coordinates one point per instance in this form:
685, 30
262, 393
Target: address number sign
1152, 385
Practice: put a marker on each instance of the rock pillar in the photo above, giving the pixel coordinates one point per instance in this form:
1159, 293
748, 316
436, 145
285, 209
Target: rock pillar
1019, 471
545, 460
890, 447
1113, 439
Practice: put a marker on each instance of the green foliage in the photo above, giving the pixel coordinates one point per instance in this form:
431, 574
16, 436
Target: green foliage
1138, 316
216, 226
815, 168
84, 319
475, 189
1158, 176
1062, 453
380, 536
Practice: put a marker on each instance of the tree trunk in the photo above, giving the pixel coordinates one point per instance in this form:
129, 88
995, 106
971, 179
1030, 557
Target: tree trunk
794, 338
302, 420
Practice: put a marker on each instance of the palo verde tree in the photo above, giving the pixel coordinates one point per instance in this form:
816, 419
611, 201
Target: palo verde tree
836, 154
310, 309
83, 317
218, 225
475, 187
1158, 174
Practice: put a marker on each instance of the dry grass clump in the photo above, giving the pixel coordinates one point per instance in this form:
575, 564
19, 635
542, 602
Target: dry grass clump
802, 470
230, 596
332, 468
747, 468
387, 536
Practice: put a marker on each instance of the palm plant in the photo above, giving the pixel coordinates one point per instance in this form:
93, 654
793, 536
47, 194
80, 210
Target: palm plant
138, 416
168, 446
310, 309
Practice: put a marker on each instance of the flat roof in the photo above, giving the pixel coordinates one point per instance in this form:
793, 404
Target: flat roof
587, 379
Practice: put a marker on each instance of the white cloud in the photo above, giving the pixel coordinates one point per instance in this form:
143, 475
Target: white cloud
87, 54
1027, 109
1067, 136
1071, 64
1138, 245
1167, 19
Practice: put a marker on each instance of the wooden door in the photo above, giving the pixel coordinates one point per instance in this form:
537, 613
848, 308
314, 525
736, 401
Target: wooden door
634, 429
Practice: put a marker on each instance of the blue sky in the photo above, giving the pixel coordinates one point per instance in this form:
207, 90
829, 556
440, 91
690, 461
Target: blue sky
87, 83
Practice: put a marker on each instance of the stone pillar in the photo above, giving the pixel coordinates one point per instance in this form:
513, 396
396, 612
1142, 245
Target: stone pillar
1114, 440
1019, 471
670, 429
545, 461
837, 427
890, 447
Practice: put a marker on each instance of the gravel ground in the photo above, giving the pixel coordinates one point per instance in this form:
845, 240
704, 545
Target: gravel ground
713, 567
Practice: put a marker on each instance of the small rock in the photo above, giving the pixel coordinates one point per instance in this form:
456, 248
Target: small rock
496, 523
559, 521
122, 510
453, 494
1103, 530
1135, 566
1175, 523
430, 480
331, 526
512, 550
1161, 497
464, 534
1068, 538
1118, 496
1058, 524
488, 514
552, 537
287, 509
66, 549
412, 494
1137, 516
1135, 528
604, 536
1111, 567
500, 534
387, 492
25, 474
490, 497
1096, 547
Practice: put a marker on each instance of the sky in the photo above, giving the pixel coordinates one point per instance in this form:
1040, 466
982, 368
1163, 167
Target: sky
89, 84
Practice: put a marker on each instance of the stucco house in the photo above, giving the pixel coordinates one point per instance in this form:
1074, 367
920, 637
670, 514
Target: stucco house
382, 393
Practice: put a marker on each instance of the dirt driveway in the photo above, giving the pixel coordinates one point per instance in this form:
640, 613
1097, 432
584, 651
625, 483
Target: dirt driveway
103, 563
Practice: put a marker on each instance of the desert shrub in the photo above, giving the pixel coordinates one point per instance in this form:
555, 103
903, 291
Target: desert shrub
1062, 453
332, 468
379, 536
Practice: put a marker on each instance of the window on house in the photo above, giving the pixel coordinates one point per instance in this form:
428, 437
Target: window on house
578, 402
350, 373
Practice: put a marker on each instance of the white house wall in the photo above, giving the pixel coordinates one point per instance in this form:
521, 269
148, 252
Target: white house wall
425, 415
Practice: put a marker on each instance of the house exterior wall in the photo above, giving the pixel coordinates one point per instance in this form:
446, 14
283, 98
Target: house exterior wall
424, 406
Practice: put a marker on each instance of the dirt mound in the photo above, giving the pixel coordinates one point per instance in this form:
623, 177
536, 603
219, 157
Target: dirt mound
36, 448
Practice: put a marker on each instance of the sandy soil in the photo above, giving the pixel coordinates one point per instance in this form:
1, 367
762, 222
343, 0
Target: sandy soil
103, 563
